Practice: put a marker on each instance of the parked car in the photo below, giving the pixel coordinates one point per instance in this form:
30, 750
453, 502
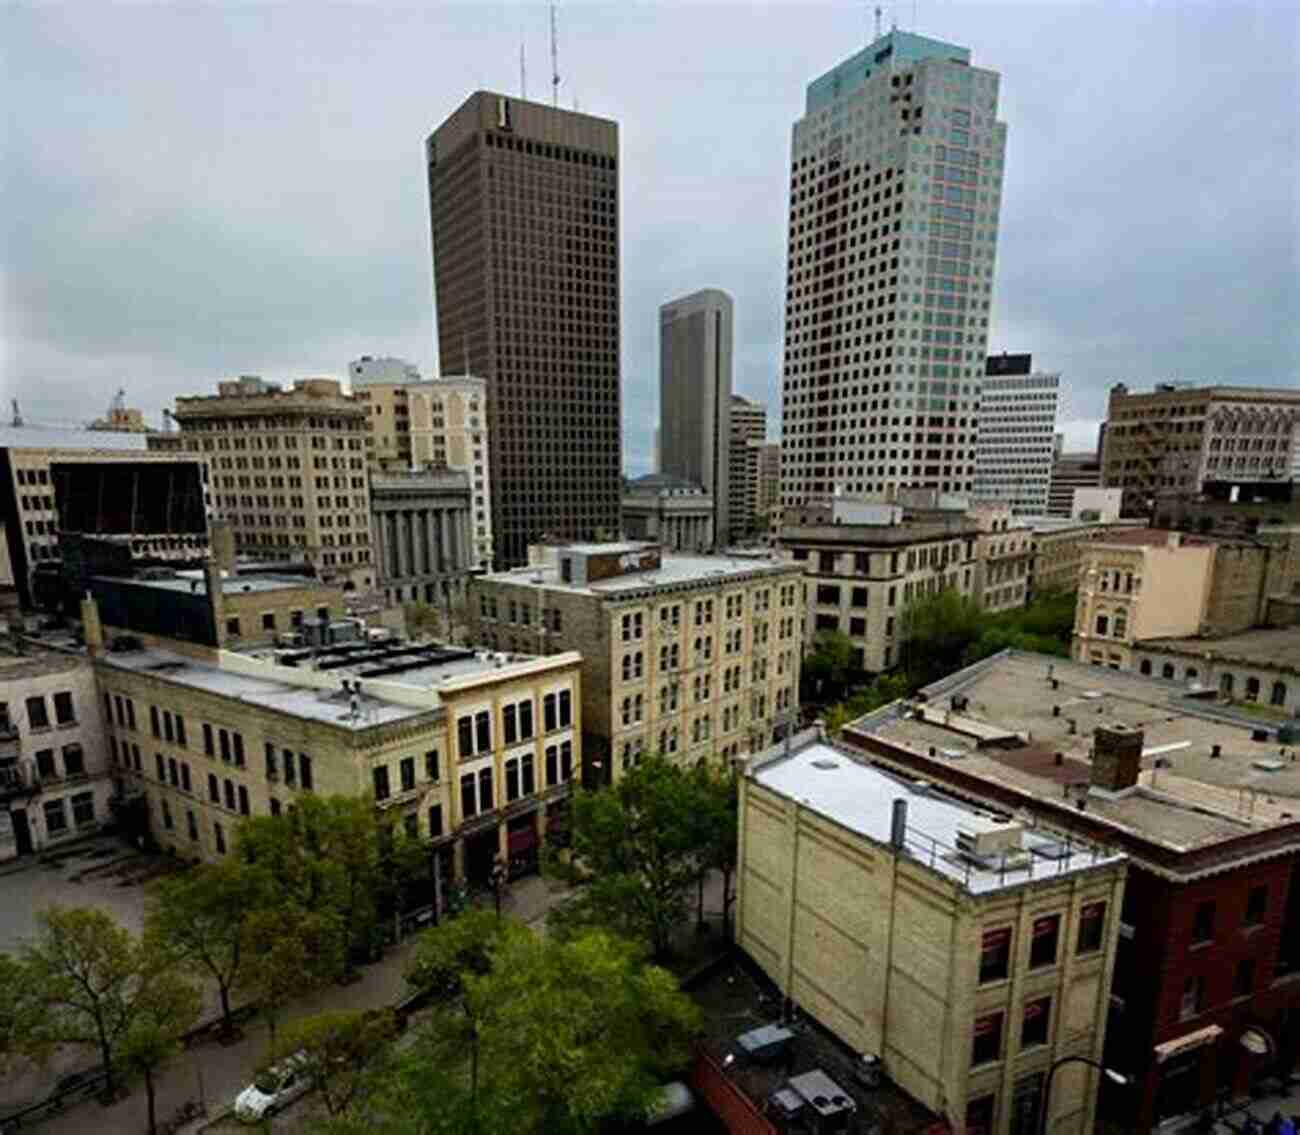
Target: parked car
272, 1089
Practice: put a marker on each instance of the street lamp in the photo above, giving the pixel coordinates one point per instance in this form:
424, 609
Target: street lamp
1110, 1074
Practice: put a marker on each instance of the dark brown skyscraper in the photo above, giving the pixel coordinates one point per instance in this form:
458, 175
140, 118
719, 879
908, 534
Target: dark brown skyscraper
524, 206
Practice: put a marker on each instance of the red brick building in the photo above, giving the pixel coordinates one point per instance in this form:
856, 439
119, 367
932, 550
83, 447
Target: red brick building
1206, 992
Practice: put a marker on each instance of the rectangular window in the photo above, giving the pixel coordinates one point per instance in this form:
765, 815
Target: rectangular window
431, 764
272, 772
220, 835
465, 737
552, 765
1243, 981
509, 728
230, 794
548, 713
214, 789
995, 954
168, 735
243, 800
526, 719
224, 738
130, 714
166, 814
566, 709
435, 821
74, 761
186, 784
191, 824
290, 767
485, 790
979, 1116
1042, 946
467, 799
1092, 927
37, 715
180, 730
207, 739
411, 825
162, 767
528, 785
483, 730
274, 805
986, 1045
1256, 906
1193, 998
512, 780
173, 773
83, 809
1203, 923
238, 740
566, 761
1033, 1029
154, 727
63, 712
407, 770
380, 776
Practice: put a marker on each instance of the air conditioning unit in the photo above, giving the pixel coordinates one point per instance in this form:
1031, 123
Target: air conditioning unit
990, 844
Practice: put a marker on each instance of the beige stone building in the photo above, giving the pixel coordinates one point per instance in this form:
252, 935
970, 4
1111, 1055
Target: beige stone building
666, 510
1153, 584
861, 576
474, 750
964, 949
1057, 549
692, 657
54, 782
1003, 554
287, 469
430, 425
424, 549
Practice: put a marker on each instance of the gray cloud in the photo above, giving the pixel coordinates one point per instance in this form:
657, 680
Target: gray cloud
197, 192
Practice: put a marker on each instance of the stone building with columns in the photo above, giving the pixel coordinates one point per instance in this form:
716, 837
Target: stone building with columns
674, 512
424, 545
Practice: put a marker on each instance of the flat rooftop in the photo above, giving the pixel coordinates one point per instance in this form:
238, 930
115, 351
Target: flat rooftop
35, 663
860, 796
1009, 731
672, 570
194, 582
49, 437
902, 533
399, 681
1272, 648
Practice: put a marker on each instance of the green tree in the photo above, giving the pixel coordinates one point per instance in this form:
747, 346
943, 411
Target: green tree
290, 951
164, 1008
718, 831
19, 1013
554, 1036
201, 916
638, 844
936, 632
82, 972
828, 664
340, 1052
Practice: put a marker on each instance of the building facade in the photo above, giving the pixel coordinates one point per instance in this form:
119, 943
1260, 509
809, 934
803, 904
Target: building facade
748, 437
1004, 556
54, 768
1205, 997
287, 470
524, 206
895, 187
1179, 436
1016, 439
963, 949
695, 399
690, 657
28, 507
860, 577
769, 486
1071, 471
668, 511
474, 752
424, 548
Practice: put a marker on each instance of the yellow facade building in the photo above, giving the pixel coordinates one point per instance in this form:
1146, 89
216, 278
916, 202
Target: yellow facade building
965, 951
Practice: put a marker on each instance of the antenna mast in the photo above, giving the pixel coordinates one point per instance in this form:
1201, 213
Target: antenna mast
523, 73
555, 62
879, 15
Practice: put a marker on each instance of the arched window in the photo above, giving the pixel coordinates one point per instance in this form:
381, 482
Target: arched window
1167, 670
1252, 689
1278, 696
1145, 666
1225, 685
1192, 673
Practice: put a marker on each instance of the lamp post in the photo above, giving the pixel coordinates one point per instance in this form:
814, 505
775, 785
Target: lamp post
1110, 1073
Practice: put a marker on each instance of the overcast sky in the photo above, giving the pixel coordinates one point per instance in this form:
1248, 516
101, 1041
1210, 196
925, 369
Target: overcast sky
191, 193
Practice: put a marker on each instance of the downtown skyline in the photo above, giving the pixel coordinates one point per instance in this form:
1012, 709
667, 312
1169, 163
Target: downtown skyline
201, 194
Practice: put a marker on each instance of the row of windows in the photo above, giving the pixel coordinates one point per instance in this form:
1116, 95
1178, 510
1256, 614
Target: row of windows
476, 788
474, 731
38, 711
996, 943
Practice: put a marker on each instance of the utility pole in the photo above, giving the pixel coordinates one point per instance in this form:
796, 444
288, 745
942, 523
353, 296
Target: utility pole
555, 62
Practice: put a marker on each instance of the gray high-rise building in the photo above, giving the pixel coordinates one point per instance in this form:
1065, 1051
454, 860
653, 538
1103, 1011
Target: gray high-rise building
695, 395
523, 200
895, 185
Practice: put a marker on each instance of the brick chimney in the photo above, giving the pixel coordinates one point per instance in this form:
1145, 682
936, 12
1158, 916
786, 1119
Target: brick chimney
1116, 757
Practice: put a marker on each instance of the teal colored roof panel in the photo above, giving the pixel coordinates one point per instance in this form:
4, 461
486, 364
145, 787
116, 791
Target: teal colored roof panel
892, 47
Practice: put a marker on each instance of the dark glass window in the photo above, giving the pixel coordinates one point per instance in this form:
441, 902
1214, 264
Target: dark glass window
407, 769
528, 784
1092, 927
305, 772
435, 820
431, 764
1256, 905
38, 716
63, 712
1243, 981
1203, 922
1038, 1015
995, 954
467, 800
1042, 947
986, 1045
380, 776
526, 719
465, 737
485, 790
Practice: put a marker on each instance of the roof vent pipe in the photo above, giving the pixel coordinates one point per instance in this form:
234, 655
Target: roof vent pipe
898, 825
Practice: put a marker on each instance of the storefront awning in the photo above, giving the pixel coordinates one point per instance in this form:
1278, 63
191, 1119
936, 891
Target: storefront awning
1186, 1042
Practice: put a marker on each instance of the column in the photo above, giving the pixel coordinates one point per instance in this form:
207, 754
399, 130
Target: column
430, 538
380, 549
422, 540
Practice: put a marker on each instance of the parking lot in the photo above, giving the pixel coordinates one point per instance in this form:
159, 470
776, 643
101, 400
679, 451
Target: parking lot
102, 873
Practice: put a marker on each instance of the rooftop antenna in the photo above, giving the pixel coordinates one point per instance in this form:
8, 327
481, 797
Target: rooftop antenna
879, 16
523, 73
555, 62
18, 415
